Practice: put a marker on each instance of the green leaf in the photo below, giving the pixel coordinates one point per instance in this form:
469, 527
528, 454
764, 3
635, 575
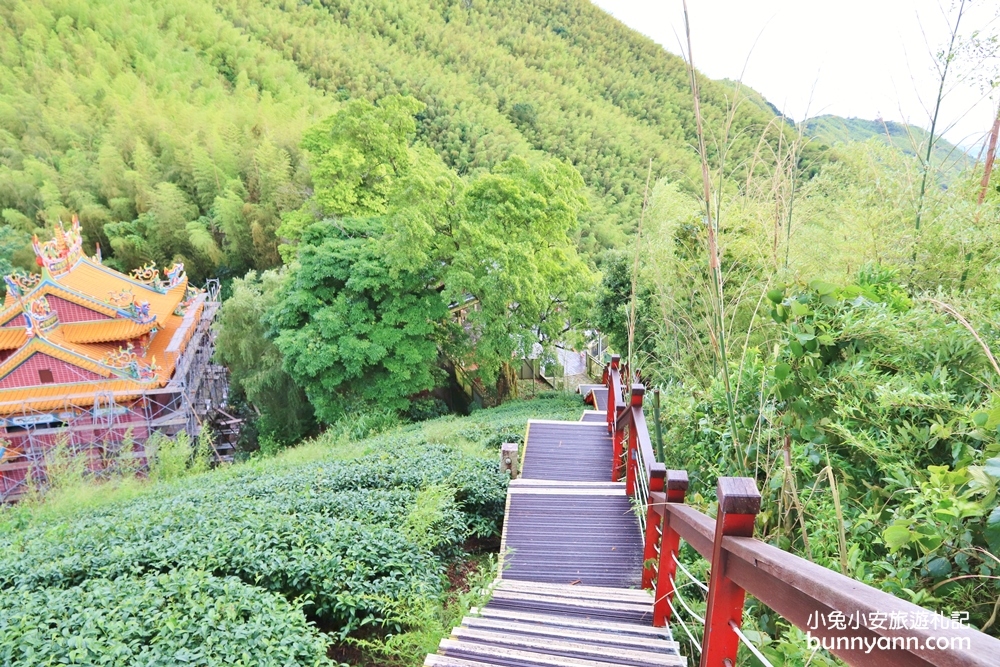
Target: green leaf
776, 295
994, 417
781, 371
993, 530
939, 568
980, 418
822, 288
800, 309
896, 536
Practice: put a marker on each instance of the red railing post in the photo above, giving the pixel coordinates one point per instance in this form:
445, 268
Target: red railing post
609, 381
617, 434
739, 504
657, 475
676, 484
631, 458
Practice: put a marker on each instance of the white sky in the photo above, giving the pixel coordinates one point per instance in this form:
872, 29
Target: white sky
853, 58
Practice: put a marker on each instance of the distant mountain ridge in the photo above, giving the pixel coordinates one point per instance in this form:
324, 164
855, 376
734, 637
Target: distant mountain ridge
831, 130
910, 139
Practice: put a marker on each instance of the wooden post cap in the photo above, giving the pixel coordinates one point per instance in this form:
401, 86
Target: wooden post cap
509, 464
738, 495
638, 391
657, 470
677, 480
616, 360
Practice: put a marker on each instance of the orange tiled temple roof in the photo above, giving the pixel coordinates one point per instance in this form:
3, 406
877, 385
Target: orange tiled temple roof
132, 321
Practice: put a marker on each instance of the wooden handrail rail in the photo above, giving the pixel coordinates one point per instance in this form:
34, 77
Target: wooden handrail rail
803, 592
653, 468
798, 590
695, 528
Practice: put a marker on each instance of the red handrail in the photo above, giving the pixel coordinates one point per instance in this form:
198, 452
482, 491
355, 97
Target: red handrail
796, 589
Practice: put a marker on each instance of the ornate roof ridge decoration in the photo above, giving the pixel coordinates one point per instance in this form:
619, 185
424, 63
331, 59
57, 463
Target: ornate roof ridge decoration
175, 274
137, 311
190, 294
60, 254
127, 362
39, 316
20, 283
149, 275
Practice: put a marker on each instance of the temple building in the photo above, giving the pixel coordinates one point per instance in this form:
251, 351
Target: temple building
98, 360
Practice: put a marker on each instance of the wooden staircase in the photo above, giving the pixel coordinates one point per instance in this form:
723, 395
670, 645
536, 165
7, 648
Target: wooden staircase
567, 594
577, 577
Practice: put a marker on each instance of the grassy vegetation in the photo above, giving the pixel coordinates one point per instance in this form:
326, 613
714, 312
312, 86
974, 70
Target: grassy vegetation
337, 540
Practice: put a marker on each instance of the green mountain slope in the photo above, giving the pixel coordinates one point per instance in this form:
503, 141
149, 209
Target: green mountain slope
910, 139
185, 117
752, 96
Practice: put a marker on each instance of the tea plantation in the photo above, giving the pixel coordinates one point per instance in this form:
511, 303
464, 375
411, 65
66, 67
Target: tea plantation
263, 563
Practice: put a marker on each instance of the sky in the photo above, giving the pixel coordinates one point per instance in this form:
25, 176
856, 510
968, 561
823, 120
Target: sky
854, 58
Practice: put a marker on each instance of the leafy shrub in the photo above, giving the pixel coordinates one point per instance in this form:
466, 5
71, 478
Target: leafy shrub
426, 408
158, 619
328, 532
494, 441
871, 391
171, 458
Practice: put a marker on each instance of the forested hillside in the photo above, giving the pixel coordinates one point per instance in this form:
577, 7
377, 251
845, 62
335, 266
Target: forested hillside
173, 129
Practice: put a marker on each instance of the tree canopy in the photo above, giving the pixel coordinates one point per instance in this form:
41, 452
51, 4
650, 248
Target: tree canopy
391, 236
352, 331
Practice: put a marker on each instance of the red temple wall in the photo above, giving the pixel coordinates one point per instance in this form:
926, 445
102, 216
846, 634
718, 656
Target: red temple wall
72, 312
26, 375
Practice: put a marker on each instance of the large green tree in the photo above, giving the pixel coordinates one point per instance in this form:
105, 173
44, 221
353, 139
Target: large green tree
354, 331
391, 236
514, 251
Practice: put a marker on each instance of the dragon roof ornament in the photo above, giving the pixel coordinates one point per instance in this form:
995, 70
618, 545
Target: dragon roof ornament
125, 301
149, 275
127, 362
60, 254
20, 283
39, 317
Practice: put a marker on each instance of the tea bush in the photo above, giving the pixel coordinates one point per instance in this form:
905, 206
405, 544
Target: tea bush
330, 533
158, 619
359, 545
